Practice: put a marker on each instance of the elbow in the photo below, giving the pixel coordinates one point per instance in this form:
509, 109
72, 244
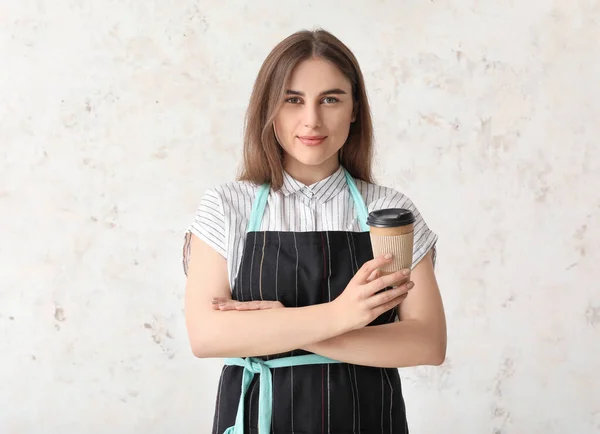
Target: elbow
203, 351
202, 344
202, 347
200, 351
438, 358
438, 351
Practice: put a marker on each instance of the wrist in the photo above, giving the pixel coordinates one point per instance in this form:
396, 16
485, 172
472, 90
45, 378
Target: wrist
337, 322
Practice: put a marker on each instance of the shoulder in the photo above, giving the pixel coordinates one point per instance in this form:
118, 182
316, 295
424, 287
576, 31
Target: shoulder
231, 196
219, 203
219, 207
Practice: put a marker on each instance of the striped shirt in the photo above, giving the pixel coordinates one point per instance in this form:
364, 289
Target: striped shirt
222, 216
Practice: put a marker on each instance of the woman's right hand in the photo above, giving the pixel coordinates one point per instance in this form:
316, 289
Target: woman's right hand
361, 302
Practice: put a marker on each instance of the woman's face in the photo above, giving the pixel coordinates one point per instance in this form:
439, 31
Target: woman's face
314, 120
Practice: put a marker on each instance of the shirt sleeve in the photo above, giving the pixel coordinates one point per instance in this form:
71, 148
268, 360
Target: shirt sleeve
208, 225
424, 238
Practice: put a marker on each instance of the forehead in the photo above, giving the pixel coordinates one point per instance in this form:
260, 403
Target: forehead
317, 74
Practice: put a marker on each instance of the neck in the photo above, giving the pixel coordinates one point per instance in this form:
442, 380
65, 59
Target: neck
308, 174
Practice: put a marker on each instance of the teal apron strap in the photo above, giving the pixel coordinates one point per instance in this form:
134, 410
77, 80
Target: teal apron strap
254, 366
359, 203
258, 208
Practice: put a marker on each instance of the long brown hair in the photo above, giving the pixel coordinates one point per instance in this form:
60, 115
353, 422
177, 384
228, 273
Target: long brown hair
263, 156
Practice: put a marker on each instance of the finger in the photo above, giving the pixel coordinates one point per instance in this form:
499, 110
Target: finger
256, 305
247, 305
405, 279
374, 275
389, 280
230, 305
392, 304
401, 282
389, 295
221, 300
262, 305
370, 266
402, 297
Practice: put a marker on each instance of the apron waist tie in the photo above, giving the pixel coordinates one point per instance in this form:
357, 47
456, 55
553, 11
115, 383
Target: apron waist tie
252, 366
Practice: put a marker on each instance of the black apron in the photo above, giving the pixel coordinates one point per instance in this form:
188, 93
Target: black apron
303, 269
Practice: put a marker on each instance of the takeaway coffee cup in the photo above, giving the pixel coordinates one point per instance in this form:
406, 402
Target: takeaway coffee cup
392, 231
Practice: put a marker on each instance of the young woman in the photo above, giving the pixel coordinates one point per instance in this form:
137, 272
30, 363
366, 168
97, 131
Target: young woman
281, 279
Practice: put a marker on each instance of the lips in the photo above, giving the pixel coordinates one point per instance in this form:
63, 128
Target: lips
312, 140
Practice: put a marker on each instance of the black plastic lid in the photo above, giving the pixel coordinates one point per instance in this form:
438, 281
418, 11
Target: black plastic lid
390, 218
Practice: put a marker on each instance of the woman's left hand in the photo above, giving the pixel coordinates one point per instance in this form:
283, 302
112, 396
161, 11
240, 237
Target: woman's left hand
229, 304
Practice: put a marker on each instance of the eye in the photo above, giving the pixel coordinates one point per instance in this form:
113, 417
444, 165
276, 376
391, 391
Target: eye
293, 100
330, 100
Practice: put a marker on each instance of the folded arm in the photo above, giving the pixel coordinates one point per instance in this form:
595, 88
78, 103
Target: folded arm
244, 333
419, 338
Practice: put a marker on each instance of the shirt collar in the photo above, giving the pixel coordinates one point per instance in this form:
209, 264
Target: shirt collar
321, 191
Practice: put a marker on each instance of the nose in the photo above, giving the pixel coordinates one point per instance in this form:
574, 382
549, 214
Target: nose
312, 116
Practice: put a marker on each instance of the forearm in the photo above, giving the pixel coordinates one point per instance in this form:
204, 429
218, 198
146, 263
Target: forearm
400, 344
262, 332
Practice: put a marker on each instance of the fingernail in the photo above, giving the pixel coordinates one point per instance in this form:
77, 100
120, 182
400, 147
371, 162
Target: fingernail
215, 301
406, 271
410, 285
388, 256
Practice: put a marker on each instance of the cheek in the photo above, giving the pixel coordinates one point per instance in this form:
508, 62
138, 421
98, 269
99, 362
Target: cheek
285, 131
341, 125
284, 124
339, 119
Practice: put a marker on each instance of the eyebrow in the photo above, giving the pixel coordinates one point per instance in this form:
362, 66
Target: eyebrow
336, 91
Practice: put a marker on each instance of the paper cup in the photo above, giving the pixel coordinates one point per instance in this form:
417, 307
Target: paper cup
392, 231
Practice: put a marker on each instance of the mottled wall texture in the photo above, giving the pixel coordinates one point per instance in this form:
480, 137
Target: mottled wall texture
115, 116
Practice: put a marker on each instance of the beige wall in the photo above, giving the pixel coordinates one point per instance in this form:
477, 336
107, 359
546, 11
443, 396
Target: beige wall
116, 116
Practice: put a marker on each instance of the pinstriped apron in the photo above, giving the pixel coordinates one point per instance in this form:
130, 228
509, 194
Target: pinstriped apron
299, 392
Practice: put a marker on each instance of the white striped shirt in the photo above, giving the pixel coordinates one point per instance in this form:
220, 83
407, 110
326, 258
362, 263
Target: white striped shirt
222, 217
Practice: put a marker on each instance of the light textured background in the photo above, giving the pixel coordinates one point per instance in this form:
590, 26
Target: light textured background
115, 116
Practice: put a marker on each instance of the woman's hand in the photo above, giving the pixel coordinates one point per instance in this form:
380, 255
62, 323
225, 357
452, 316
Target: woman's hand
366, 296
229, 304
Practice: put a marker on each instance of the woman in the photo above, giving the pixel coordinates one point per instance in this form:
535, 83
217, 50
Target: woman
281, 279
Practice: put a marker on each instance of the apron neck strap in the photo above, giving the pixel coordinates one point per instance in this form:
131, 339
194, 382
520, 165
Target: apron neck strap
362, 211
258, 208
260, 203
